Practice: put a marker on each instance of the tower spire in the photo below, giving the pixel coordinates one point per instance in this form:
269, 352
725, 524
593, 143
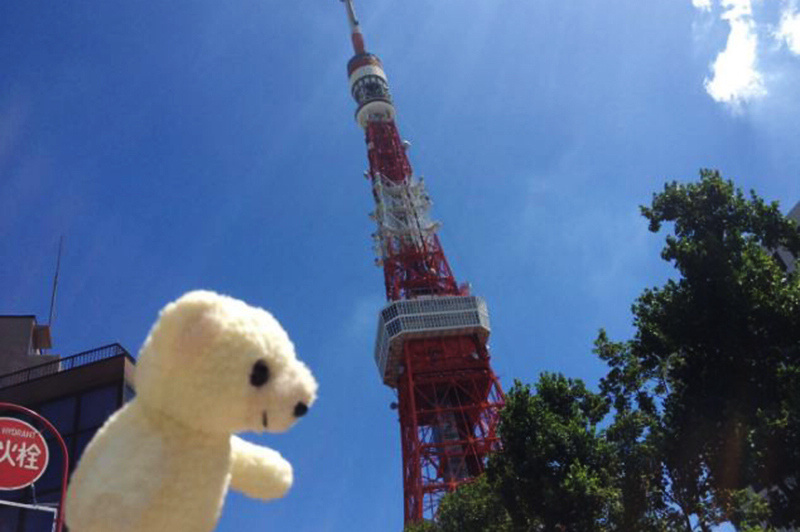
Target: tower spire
355, 30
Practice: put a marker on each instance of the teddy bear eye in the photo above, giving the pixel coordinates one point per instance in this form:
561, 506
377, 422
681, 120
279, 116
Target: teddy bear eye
260, 374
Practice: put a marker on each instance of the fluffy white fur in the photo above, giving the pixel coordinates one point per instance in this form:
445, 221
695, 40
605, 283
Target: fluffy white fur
163, 463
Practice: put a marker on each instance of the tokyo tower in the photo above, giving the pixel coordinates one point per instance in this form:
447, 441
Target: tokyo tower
431, 340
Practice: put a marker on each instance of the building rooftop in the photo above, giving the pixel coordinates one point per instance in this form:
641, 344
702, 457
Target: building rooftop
60, 365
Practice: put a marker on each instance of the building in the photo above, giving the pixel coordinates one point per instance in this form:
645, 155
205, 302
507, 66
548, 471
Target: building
431, 345
786, 258
76, 394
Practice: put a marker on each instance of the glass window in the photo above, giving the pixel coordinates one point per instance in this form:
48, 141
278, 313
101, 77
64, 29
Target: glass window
96, 406
9, 518
36, 521
14, 495
51, 479
60, 413
81, 441
49, 497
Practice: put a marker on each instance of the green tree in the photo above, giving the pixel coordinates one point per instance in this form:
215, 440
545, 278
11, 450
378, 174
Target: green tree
639, 476
423, 526
556, 471
474, 507
706, 395
714, 366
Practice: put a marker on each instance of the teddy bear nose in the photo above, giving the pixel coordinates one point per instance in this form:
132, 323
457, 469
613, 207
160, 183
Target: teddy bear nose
300, 409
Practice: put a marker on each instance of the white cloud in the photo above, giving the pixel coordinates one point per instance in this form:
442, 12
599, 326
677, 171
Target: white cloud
789, 29
702, 5
735, 76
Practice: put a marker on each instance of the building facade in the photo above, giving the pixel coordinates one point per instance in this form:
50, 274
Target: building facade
787, 259
76, 394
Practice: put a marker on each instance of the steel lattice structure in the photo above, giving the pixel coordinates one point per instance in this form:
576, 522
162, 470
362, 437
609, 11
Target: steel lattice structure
432, 335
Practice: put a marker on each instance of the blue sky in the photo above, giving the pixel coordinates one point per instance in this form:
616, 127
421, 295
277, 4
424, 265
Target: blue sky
199, 144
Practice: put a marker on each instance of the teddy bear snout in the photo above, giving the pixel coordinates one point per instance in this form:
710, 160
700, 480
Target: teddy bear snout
300, 409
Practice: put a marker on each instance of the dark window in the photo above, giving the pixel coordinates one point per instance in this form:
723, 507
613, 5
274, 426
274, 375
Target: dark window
96, 406
51, 497
60, 413
15, 495
36, 521
81, 442
370, 87
51, 479
9, 517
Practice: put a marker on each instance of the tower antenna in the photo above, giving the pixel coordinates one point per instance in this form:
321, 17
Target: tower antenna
355, 28
55, 283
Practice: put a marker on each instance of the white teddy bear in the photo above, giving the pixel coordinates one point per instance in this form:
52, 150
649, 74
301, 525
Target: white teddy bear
211, 366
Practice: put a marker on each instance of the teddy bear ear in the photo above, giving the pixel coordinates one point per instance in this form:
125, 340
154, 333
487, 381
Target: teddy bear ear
198, 331
191, 323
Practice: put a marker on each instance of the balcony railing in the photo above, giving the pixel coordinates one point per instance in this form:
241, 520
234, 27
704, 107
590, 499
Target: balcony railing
63, 364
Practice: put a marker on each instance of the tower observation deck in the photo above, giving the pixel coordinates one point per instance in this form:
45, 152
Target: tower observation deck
431, 344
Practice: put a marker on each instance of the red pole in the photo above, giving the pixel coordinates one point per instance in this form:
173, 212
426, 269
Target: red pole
51, 428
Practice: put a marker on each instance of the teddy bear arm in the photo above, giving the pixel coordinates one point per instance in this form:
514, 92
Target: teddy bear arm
257, 471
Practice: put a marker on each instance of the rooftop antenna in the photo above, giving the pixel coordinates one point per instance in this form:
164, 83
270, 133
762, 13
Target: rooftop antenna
55, 283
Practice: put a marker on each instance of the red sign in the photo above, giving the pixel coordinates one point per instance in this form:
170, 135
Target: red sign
23, 454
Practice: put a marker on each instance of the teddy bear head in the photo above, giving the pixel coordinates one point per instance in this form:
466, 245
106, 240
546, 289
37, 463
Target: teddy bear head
216, 364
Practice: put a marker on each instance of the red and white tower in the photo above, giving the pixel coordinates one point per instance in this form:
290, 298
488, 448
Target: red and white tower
432, 334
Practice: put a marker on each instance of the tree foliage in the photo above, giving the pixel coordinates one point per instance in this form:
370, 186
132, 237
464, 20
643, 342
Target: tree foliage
556, 468
556, 471
714, 362
705, 396
476, 507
